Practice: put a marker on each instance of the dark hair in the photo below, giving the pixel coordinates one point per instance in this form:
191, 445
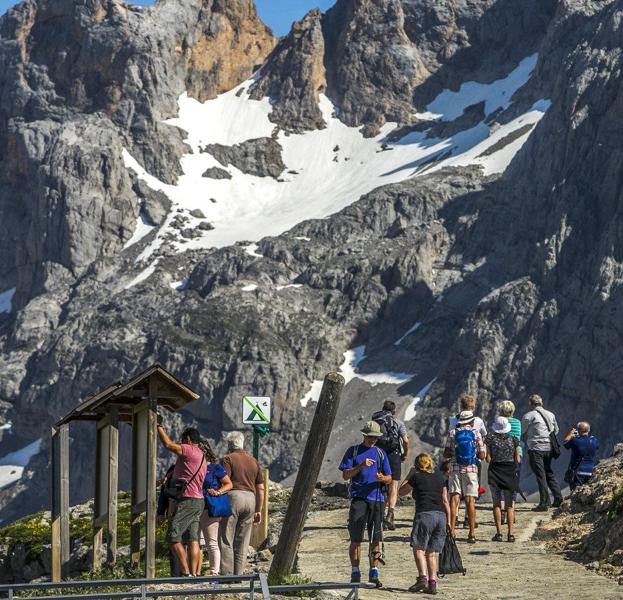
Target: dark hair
205, 447
191, 434
389, 405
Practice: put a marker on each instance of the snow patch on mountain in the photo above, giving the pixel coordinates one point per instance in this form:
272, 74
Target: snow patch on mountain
410, 411
12, 464
349, 370
450, 105
6, 301
143, 228
326, 170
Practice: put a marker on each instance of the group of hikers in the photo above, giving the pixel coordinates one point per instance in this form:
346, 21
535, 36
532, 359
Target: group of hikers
374, 470
204, 500
219, 502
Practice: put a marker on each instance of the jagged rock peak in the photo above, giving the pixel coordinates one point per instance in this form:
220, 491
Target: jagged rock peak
294, 76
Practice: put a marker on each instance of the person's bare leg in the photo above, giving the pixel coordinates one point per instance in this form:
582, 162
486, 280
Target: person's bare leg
470, 503
420, 562
497, 517
354, 553
431, 564
455, 500
194, 551
374, 553
393, 494
511, 519
180, 555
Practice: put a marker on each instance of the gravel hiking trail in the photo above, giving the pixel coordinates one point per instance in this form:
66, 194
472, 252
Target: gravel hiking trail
500, 571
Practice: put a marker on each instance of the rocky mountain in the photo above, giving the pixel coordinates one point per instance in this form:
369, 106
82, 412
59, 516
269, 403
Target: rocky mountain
424, 195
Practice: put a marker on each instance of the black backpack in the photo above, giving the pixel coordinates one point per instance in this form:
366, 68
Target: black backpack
450, 560
390, 440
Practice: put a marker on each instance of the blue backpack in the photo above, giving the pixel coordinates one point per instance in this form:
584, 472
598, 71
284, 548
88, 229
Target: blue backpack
465, 446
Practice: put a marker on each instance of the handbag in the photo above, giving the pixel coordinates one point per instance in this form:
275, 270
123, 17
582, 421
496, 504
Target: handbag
553, 438
218, 506
176, 487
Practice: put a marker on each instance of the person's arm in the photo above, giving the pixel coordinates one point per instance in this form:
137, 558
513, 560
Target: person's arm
384, 472
226, 485
446, 504
480, 447
259, 501
525, 425
167, 442
569, 437
352, 472
405, 447
405, 488
517, 455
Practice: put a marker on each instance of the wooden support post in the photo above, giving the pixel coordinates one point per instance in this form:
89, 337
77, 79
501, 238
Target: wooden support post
113, 485
260, 533
101, 499
60, 501
152, 460
307, 475
135, 516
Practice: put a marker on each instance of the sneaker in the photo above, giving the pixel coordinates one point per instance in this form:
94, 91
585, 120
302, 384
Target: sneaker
355, 577
421, 585
432, 587
540, 508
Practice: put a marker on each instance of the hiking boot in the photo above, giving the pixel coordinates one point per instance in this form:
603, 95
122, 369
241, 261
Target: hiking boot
432, 587
540, 508
557, 503
389, 520
355, 577
421, 585
374, 578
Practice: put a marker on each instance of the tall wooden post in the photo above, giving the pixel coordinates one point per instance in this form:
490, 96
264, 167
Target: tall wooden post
306, 478
151, 497
60, 501
139, 438
113, 486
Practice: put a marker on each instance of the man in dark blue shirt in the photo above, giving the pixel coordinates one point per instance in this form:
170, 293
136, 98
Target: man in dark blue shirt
583, 448
367, 468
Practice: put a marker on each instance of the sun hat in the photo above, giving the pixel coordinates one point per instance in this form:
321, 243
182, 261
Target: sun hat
372, 429
501, 425
465, 417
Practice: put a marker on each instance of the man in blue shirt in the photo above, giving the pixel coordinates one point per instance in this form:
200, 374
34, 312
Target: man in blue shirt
583, 454
367, 468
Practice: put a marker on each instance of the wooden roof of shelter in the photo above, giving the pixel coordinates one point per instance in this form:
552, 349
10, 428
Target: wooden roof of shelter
171, 394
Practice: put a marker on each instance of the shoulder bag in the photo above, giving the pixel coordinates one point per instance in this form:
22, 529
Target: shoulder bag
553, 438
176, 488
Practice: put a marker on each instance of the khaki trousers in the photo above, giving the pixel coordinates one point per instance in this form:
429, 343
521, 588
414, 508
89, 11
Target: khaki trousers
235, 533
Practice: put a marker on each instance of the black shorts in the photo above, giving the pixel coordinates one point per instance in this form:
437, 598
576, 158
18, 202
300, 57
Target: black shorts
365, 515
395, 464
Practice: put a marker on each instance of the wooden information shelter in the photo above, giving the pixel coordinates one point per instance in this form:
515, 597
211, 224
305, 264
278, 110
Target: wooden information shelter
135, 403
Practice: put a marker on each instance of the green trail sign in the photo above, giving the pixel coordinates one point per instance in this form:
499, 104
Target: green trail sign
256, 410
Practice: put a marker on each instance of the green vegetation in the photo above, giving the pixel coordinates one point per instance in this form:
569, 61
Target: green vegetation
616, 505
293, 580
34, 532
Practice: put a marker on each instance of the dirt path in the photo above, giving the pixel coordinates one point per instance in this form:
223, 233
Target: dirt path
499, 571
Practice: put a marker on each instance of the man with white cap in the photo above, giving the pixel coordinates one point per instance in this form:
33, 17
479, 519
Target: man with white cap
503, 458
464, 447
368, 469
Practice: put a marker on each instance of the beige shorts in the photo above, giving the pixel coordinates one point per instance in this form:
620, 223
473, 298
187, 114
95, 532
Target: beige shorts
465, 484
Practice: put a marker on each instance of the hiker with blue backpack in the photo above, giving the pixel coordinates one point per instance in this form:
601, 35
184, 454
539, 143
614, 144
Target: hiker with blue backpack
583, 448
368, 470
395, 443
465, 447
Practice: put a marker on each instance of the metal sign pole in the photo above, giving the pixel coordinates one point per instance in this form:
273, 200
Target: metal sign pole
256, 444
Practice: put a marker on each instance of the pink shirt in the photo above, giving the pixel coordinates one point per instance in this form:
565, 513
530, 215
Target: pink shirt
186, 466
